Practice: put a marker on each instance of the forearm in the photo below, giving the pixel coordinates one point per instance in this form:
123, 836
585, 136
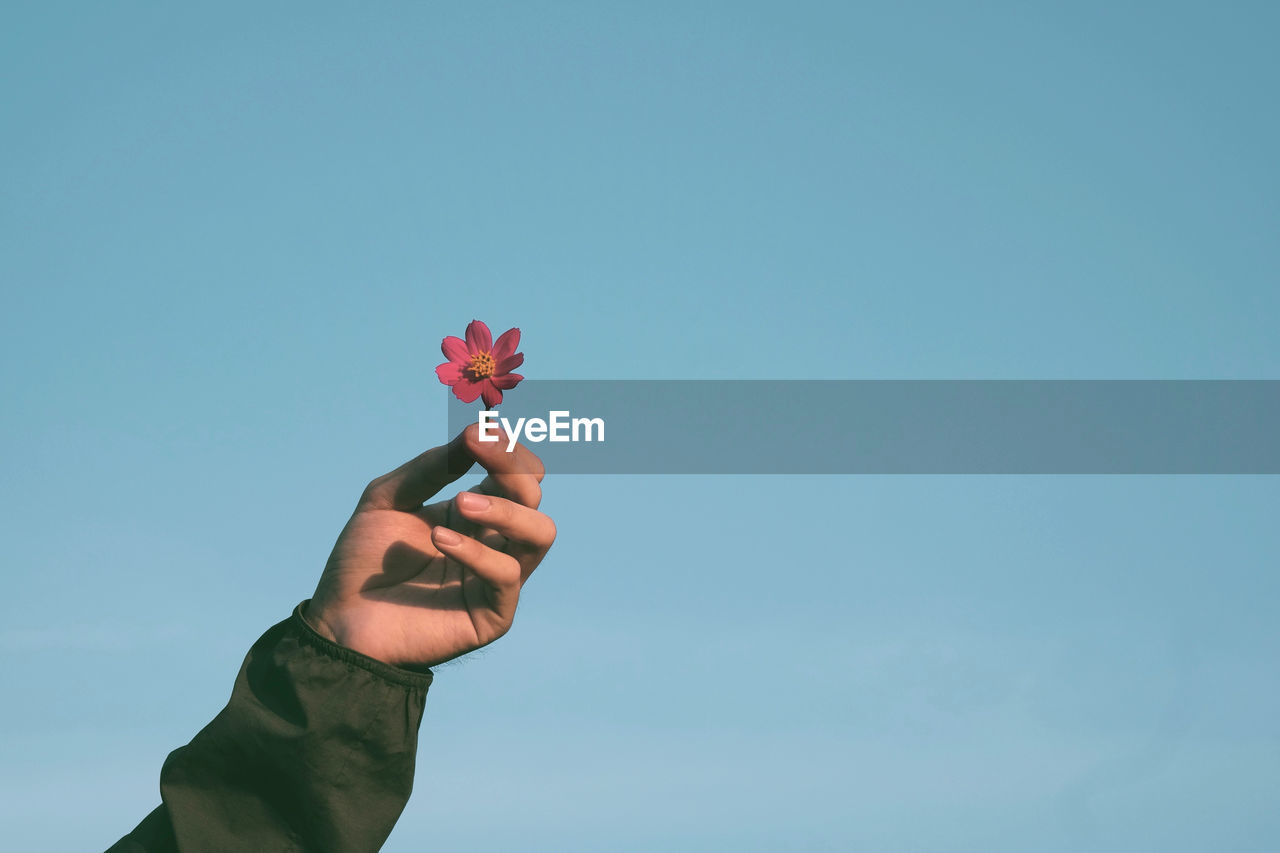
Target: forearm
315, 751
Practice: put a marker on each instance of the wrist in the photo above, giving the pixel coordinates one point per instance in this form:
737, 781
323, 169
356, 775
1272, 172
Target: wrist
316, 621
309, 632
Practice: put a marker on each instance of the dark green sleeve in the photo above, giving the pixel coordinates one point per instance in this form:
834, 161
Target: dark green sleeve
314, 752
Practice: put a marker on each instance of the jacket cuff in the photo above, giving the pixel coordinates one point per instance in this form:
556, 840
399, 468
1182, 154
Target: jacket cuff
413, 678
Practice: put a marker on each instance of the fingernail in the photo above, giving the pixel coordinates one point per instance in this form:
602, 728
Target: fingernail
473, 502
445, 536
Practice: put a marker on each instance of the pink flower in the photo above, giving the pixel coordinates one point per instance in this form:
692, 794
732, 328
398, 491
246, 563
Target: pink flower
479, 366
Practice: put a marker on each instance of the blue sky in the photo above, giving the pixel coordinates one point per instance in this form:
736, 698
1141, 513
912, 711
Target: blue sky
231, 239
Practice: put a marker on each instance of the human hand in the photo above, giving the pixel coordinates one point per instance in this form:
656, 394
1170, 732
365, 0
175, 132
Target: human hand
415, 585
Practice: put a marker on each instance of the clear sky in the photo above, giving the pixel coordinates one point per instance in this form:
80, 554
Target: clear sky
232, 237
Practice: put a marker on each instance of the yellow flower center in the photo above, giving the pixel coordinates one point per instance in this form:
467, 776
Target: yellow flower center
481, 366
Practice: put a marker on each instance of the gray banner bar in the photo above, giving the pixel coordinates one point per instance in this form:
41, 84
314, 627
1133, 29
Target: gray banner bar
898, 426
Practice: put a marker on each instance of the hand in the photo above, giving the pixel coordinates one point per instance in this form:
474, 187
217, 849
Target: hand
415, 585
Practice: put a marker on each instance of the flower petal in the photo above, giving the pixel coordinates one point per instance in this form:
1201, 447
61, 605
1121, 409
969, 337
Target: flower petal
455, 349
450, 372
509, 363
507, 381
478, 337
467, 391
506, 344
492, 396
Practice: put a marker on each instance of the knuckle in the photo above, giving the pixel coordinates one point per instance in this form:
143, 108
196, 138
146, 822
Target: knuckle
373, 489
